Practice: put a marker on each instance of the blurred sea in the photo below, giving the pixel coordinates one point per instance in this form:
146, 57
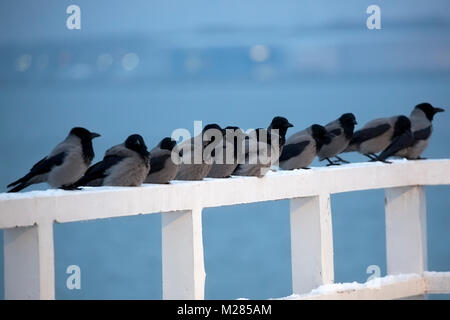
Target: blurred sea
154, 84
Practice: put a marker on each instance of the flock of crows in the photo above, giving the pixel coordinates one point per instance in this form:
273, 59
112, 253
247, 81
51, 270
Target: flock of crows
68, 166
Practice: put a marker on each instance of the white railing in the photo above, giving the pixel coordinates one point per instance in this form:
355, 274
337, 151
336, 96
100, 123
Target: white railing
28, 220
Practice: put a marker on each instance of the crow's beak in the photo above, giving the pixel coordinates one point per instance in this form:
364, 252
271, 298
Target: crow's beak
289, 125
436, 110
95, 135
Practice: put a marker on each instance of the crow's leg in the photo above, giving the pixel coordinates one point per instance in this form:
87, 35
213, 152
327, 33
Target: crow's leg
331, 163
368, 155
380, 159
341, 160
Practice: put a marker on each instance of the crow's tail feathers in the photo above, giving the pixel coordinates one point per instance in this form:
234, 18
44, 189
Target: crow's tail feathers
21, 180
19, 187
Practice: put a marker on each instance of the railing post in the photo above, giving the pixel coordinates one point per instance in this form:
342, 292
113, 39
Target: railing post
406, 230
29, 262
311, 243
183, 270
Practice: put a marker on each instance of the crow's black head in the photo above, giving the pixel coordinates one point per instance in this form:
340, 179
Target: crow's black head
83, 133
211, 132
234, 128
429, 110
280, 123
320, 135
347, 119
212, 126
167, 144
348, 122
136, 143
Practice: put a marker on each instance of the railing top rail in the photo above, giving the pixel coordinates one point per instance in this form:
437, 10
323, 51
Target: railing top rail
25, 209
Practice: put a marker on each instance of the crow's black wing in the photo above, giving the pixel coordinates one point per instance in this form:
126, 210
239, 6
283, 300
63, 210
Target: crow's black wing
401, 142
43, 166
366, 134
422, 134
293, 150
157, 163
98, 170
335, 132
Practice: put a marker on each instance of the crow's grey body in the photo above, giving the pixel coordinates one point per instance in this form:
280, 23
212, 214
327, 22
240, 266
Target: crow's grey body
301, 148
73, 166
129, 172
197, 157
385, 135
188, 169
341, 133
226, 159
125, 165
193, 171
259, 156
263, 148
374, 137
223, 169
299, 151
162, 167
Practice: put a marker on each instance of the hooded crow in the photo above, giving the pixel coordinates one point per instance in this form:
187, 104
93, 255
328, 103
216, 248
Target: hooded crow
340, 132
126, 164
162, 166
226, 160
377, 135
301, 148
198, 153
398, 143
263, 148
421, 126
68, 161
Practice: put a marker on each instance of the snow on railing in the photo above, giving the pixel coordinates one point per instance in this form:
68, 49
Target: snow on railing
28, 220
388, 287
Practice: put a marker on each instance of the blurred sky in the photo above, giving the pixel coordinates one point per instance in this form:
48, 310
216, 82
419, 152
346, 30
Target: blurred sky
33, 20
